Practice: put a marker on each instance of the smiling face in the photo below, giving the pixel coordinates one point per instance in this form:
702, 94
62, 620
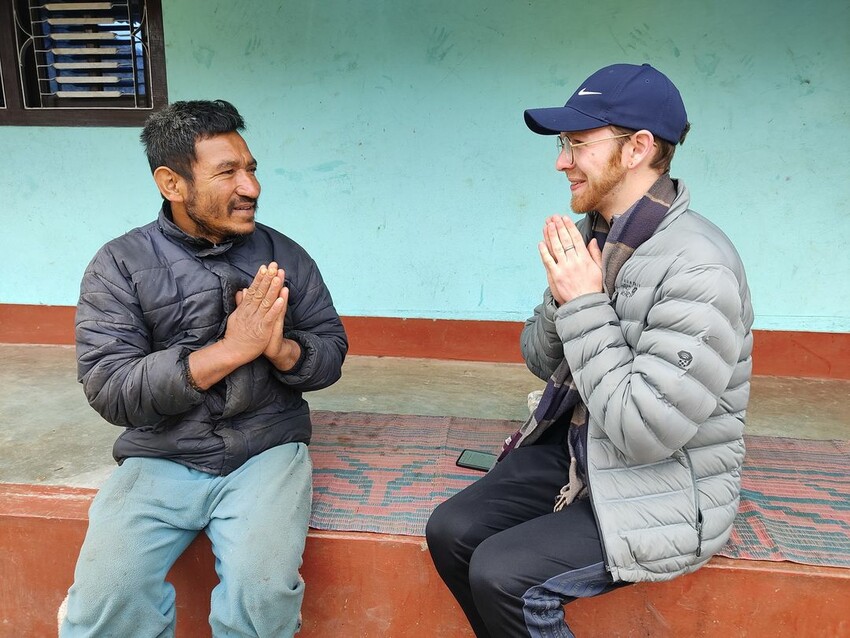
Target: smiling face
597, 175
221, 200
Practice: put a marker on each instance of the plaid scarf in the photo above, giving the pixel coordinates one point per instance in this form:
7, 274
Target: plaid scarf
561, 398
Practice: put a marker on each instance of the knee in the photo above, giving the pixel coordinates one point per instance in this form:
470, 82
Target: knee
437, 527
444, 531
265, 591
490, 576
263, 574
257, 594
116, 599
100, 586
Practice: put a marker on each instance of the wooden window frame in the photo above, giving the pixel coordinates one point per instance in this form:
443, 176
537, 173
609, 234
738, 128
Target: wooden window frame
16, 114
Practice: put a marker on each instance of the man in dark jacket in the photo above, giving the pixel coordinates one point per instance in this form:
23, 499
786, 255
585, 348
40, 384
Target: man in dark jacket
197, 334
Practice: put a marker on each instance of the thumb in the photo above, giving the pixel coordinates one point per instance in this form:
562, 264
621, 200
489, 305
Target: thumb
595, 253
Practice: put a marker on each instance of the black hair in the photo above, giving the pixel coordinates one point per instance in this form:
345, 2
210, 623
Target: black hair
170, 135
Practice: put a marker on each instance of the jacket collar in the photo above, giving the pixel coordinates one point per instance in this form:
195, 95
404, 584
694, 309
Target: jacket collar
680, 204
198, 245
596, 224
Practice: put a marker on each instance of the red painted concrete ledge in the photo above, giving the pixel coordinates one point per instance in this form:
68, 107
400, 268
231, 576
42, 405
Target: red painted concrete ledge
375, 585
777, 353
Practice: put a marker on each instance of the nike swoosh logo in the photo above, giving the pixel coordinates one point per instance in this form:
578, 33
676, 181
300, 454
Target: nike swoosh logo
586, 92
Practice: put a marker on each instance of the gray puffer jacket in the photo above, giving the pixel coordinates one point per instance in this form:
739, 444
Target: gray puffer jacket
664, 368
155, 294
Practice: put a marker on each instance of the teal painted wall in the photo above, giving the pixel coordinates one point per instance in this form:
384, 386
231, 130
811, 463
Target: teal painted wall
391, 145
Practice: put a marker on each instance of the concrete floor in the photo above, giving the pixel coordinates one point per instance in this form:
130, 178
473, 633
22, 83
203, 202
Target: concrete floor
49, 434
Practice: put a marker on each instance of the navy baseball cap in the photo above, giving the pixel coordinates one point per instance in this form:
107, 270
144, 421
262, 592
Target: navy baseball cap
627, 95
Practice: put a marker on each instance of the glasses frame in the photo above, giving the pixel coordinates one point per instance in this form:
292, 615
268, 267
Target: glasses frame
564, 143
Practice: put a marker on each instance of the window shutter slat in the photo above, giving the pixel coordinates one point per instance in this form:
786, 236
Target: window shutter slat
85, 65
78, 6
75, 95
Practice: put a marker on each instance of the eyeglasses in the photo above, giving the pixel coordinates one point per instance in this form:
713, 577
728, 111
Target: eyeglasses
564, 144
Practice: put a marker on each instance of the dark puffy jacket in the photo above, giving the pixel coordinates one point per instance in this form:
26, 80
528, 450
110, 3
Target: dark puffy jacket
155, 294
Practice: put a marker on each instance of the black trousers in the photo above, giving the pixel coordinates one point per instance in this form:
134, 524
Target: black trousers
508, 559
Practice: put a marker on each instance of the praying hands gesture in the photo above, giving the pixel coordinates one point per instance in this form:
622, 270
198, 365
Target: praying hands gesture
572, 268
254, 328
258, 318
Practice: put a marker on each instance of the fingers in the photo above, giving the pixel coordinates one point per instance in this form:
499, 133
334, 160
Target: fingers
547, 234
555, 241
572, 231
277, 314
595, 253
546, 255
263, 281
572, 268
264, 291
562, 237
280, 303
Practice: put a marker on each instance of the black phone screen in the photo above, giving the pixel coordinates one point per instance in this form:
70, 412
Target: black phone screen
476, 460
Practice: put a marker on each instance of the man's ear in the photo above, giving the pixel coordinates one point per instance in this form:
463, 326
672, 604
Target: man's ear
642, 147
170, 184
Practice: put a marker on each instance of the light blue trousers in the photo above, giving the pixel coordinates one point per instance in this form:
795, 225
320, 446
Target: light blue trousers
149, 511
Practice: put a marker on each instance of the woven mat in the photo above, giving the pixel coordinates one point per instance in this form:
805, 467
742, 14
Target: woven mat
386, 473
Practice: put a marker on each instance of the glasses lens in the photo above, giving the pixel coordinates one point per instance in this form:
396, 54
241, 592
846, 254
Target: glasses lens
564, 145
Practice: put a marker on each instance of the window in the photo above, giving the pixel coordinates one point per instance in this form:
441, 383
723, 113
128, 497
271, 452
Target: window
73, 63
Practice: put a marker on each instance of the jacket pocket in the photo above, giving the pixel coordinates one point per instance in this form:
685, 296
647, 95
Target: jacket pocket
697, 511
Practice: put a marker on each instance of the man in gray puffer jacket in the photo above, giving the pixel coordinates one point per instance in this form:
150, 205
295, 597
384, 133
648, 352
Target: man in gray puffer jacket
629, 468
197, 334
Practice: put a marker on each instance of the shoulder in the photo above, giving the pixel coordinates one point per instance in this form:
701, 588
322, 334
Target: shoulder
128, 246
697, 241
688, 258
692, 238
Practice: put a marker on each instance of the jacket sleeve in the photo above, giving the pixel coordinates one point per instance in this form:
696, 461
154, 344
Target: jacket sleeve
650, 400
540, 344
313, 322
123, 380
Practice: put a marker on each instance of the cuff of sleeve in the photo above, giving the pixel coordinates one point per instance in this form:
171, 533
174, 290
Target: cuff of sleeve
301, 357
582, 303
187, 372
550, 306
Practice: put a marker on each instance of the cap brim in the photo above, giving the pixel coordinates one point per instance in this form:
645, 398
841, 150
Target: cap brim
552, 121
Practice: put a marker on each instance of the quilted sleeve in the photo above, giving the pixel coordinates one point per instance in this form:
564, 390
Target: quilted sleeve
650, 400
314, 323
539, 342
123, 380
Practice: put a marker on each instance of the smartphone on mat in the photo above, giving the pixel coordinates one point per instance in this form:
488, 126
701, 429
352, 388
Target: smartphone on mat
476, 460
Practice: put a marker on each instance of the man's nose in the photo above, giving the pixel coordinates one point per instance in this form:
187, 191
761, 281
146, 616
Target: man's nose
249, 185
564, 161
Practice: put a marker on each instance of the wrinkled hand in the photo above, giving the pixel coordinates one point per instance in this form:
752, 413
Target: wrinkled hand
256, 325
572, 268
283, 353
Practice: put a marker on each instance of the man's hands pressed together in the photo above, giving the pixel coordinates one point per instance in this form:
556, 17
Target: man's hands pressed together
254, 328
572, 268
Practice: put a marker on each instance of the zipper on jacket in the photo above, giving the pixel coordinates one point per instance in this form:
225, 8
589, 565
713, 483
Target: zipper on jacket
698, 522
699, 532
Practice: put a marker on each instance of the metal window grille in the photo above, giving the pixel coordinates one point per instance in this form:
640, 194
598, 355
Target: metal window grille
83, 54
